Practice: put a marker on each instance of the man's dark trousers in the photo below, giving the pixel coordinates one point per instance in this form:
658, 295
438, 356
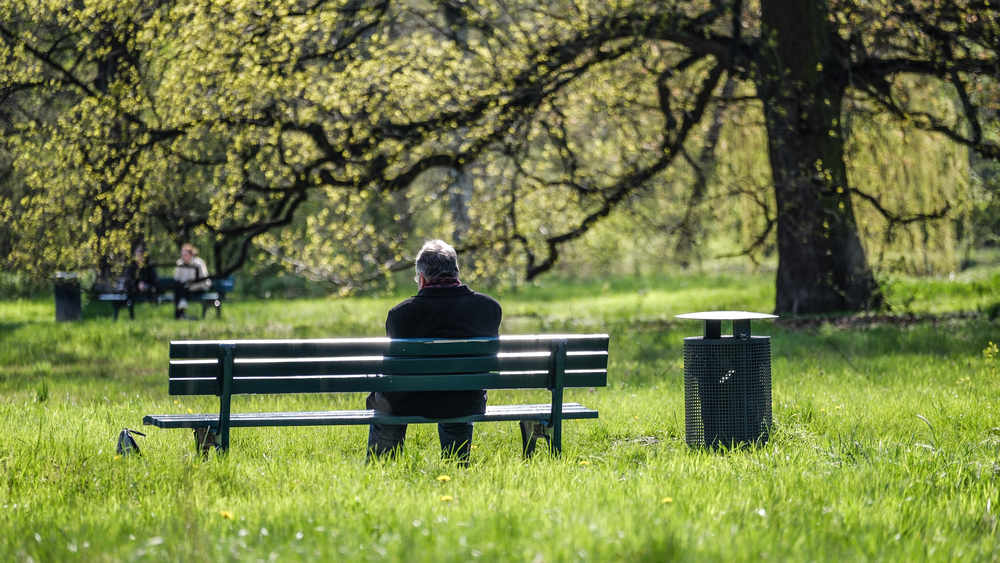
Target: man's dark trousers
435, 312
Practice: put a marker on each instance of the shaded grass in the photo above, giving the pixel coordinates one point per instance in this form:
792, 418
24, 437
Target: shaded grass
851, 472
979, 292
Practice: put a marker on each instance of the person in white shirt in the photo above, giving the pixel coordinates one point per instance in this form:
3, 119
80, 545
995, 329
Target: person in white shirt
190, 276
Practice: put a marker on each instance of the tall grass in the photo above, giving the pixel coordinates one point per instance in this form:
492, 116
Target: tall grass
885, 446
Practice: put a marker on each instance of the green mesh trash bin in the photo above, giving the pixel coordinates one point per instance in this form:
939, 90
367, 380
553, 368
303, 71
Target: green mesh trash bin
727, 382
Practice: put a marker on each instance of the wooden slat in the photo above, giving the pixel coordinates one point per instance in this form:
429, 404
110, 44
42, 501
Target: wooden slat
358, 417
361, 383
406, 365
193, 349
574, 342
443, 347
388, 365
503, 362
257, 368
329, 347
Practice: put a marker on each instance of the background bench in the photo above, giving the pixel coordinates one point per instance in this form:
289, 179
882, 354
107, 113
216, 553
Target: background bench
235, 367
212, 297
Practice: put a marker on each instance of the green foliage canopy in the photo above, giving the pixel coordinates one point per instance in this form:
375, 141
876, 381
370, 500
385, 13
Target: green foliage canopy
322, 131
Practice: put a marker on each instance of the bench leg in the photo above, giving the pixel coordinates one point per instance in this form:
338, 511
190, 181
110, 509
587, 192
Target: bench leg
205, 439
216, 304
531, 431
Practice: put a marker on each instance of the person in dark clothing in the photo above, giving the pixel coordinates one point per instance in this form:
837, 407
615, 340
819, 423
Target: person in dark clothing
140, 276
443, 307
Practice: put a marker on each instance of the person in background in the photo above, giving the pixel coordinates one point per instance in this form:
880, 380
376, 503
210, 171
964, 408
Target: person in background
443, 307
140, 276
190, 276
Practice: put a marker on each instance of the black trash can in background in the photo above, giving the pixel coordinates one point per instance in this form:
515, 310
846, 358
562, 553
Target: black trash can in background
727, 382
67, 290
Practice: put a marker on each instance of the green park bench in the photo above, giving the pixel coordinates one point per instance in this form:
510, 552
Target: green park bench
236, 367
211, 297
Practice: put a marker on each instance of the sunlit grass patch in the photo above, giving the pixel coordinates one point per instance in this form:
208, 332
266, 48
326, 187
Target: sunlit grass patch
885, 446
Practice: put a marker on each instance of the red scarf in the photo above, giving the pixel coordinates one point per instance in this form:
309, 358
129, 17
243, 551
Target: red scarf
442, 282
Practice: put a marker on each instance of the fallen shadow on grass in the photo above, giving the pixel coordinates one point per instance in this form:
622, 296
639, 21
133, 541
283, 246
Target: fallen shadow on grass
862, 335
7, 329
878, 320
880, 336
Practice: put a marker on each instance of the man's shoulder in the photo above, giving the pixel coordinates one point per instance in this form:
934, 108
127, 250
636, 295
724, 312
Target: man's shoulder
432, 300
403, 305
462, 293
485, 299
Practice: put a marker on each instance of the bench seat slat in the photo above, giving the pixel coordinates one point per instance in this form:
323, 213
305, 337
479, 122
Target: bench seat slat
360, 417
352, 365
195, 349
360, 383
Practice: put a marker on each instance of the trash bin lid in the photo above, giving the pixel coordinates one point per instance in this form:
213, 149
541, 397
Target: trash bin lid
725, 316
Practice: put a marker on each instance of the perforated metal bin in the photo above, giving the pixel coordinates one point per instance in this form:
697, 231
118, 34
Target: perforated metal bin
727, 382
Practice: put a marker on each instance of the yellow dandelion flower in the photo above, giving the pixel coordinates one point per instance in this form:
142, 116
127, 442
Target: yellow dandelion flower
666, 500
226, 514
443, 478
117, 457
584, 462
190, 411
447, 498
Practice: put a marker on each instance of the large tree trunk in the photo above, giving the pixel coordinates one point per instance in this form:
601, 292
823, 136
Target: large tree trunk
821, 264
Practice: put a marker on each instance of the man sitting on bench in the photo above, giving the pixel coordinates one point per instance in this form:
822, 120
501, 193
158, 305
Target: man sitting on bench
442, 308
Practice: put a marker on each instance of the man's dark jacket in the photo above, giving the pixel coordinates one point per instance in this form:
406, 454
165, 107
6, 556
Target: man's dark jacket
442, 312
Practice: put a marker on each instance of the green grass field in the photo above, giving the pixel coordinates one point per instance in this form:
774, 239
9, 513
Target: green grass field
886, 443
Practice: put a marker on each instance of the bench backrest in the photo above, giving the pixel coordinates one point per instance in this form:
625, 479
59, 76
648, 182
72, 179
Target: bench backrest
381, 364
223, 285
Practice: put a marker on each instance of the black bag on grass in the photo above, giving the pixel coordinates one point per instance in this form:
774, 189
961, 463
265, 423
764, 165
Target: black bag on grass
126, 443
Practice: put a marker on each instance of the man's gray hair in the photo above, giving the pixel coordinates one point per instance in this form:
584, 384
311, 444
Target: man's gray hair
437, 260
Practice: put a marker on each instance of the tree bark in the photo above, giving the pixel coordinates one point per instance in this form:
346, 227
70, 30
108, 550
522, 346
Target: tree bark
822, 265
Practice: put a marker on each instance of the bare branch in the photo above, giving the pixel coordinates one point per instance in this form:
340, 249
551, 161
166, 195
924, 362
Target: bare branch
896, 219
